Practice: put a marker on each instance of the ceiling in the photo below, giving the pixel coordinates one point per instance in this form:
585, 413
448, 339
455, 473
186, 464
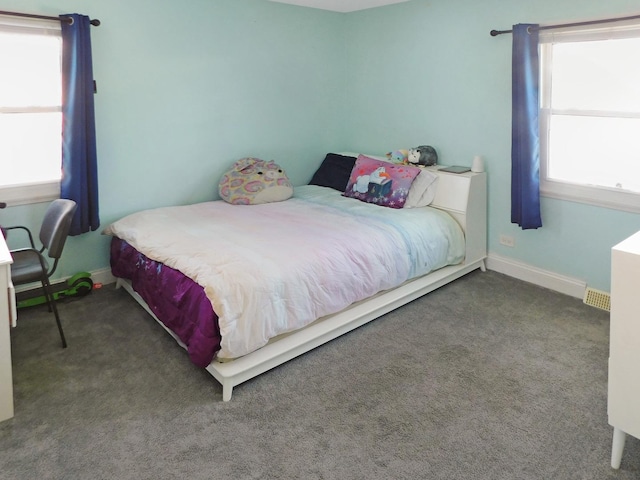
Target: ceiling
343, 6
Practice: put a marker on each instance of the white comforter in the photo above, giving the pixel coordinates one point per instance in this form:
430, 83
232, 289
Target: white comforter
273, 268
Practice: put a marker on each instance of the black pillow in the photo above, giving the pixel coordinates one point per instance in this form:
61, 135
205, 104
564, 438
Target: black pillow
334, 172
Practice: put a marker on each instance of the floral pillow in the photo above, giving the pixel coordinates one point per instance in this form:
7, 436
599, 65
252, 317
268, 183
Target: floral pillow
252, 181
379, 182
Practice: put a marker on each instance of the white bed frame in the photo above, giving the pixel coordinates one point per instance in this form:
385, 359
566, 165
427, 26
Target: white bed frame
464, 196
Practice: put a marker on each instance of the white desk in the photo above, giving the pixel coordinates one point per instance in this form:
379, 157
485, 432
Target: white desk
7, 317
624, 348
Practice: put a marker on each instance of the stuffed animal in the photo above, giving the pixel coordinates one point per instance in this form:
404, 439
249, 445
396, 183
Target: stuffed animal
398, 156
413, 157
423, 155
252, 181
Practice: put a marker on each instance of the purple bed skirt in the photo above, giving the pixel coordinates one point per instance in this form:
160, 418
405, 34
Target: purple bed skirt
178, 302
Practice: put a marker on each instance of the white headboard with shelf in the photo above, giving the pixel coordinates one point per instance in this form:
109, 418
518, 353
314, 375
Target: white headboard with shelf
464, 197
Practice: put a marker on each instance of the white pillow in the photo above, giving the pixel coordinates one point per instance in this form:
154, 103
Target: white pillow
423, 190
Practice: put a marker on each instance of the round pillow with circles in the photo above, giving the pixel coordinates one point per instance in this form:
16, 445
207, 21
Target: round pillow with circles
252, 181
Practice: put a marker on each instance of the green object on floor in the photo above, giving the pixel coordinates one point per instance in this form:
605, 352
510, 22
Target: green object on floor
77, 286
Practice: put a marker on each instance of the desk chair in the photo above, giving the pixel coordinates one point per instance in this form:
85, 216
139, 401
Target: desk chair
30, 265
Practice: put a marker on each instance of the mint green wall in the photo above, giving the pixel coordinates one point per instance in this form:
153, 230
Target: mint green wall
428, 72
185, 88
188, 87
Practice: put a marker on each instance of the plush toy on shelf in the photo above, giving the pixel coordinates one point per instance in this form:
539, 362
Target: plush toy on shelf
398, 156
424, 155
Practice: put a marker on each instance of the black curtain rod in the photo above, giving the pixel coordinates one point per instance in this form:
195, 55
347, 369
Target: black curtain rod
495, 33
95, 22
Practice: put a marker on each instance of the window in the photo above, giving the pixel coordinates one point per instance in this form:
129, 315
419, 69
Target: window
30, 110
590, 115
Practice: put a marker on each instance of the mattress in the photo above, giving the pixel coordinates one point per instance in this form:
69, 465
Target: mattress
228, 278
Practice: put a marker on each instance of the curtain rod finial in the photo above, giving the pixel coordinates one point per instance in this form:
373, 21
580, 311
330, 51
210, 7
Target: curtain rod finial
495, 33
95, 22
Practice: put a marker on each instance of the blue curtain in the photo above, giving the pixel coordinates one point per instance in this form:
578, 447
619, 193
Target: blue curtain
79, 159
525, 144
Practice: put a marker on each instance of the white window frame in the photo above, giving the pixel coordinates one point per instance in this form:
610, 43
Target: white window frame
33, 192
616, 198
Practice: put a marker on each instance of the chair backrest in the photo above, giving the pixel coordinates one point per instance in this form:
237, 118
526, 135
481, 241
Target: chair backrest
56, 225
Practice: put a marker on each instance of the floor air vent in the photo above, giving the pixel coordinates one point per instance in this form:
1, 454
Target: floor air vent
598, 299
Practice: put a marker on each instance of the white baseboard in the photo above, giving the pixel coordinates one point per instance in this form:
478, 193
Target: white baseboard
103, 276
521, 271
543, 278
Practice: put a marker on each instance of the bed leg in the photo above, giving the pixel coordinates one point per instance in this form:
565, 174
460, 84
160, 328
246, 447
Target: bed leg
118, 283
619, 438
227, 390
483, 266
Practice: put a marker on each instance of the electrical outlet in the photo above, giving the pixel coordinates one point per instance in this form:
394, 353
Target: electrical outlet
507, 241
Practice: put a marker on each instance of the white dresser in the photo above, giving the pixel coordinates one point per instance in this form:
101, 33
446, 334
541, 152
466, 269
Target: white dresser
624, 349
7, 317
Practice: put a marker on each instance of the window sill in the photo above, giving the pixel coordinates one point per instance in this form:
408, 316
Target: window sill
30, 193
614, 198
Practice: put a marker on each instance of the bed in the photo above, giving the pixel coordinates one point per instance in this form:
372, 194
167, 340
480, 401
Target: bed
246, 288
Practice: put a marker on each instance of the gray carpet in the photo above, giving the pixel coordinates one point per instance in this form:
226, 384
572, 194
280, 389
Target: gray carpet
486, 378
